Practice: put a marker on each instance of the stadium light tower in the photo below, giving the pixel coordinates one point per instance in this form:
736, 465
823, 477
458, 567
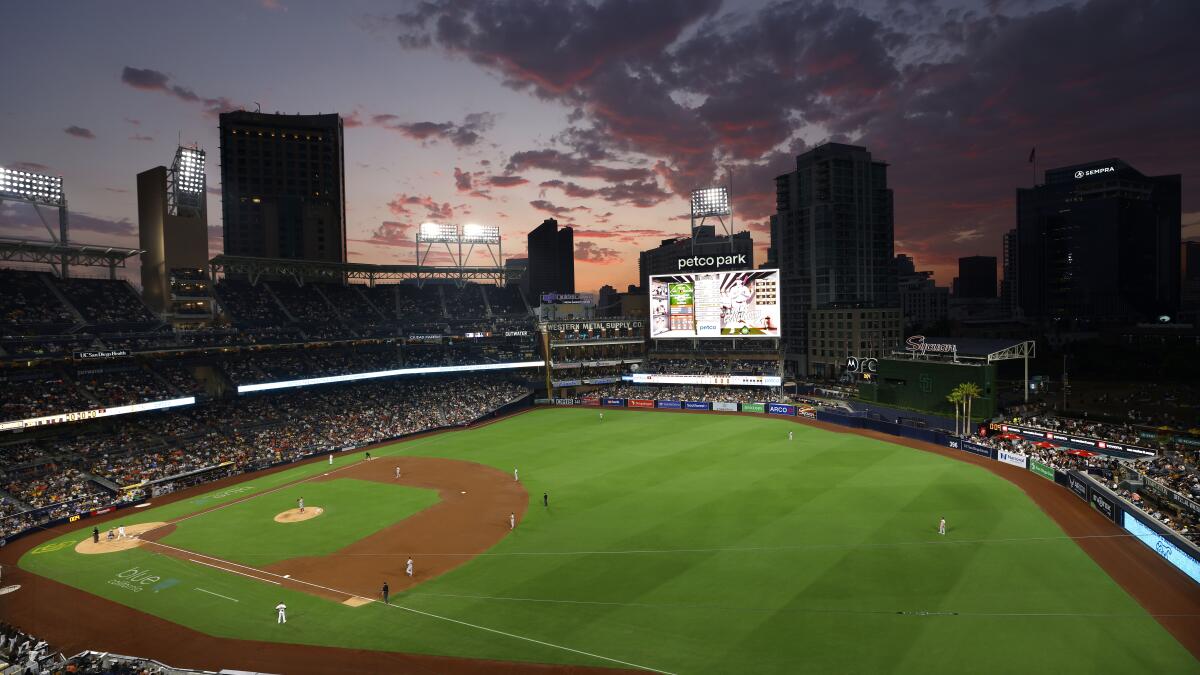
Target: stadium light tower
453, 238
186, 182
38, 189
712, 202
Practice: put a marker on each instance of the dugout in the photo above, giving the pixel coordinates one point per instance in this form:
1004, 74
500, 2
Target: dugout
922, 373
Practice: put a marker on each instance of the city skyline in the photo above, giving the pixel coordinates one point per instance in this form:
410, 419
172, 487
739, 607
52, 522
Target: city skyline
474, 115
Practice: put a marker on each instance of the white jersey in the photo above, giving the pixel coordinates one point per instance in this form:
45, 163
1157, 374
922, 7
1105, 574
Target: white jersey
516, 475
282, 610
408, 569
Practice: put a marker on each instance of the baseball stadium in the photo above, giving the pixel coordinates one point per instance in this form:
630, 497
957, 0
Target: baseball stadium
560, 495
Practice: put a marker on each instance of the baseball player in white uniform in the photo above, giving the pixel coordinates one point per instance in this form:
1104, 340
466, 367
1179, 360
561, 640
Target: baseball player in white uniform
120, 532
512, 521
300, 503
408, 567
397, 473
942, 526
789, 435
282, 610
516, 475
601, 417
331, 459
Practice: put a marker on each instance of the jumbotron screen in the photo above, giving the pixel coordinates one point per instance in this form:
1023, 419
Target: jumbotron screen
742, 303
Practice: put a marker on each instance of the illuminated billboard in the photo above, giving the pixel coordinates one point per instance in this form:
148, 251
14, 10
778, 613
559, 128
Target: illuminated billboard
743, 303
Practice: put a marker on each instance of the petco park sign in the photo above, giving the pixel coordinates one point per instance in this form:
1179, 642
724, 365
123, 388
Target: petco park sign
1093, 172
917, 343
712, 261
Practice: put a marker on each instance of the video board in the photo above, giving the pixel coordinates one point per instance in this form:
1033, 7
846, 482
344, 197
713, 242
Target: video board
741, 303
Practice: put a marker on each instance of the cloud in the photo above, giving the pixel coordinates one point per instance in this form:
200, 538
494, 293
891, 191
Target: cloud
591, 252
564, 164
30, 166
505, 181
148, 79
80, 132
140, 137
462, 134
971, 234
403, 204
136, 123
548, 207
25, 222
392, 233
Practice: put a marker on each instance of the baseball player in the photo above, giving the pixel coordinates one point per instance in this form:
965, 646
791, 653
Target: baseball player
789, 435
397, 473
120, 532
282, 609
300, 503
408, 567
512, 521
111, 536
331, 459
516, 475
385, 593
545, 499
95, 535
368, 456
602, 417
942, 526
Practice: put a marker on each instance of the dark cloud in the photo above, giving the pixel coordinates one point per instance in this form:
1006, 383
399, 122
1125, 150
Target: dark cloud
23, 221
548, 207
80, 132
392, 233
505, 181
30, 166
951, 98
591, 252
463, 134
140, 137
153, 80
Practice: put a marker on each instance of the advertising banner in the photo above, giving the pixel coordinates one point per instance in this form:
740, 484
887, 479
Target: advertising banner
725, 405
589, 400
95, 412
1014, 458
566, 401
670, 404
567, 383
1040, 469
641, 403
613, 402
1173, 554
1075, 441
716, 380
1103, 504
974, 448
696, 405
754, 407
742, 303
780, 409
808, 412
1078, 486
599, 380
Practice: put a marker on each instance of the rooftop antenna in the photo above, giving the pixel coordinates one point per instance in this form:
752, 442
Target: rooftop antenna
257, 107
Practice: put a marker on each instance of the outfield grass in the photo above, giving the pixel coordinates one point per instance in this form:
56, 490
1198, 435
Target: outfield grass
694, 543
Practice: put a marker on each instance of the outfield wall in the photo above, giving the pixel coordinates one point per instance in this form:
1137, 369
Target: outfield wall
1178, 551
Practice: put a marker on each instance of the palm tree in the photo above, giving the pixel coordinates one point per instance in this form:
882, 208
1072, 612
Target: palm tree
956, 397
970, 391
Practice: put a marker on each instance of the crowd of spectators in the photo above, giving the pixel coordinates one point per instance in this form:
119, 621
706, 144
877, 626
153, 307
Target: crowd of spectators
123, 387
106, 301
692, 393
27, 302
712, 366
230, 436
38, 392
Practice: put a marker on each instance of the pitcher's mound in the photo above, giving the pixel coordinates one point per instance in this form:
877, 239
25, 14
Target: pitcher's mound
106, 546
294, 515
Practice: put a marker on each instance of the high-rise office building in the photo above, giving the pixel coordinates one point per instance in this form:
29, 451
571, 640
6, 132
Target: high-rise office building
1099, 242
173, 236
708, 252
922, 302
832, 238
1189, 272
1008, 285
282, 186
976, 277
551, 260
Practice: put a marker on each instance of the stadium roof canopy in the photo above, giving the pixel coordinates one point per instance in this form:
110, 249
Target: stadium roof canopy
302, 271
55, 253
960, 348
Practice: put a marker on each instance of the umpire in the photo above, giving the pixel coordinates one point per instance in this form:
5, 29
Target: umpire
385, 592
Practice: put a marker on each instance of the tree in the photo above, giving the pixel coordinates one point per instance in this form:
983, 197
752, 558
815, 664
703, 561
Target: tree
970, 392
956, 397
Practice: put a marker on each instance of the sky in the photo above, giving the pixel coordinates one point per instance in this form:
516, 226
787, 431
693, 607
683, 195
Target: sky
605, 115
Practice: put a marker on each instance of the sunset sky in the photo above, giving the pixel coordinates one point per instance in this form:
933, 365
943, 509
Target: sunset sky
604, 114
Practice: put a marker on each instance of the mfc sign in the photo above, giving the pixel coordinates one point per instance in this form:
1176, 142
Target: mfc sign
856, 364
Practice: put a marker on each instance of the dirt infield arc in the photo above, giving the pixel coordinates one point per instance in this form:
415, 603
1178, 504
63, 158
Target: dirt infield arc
472, 513
75, 621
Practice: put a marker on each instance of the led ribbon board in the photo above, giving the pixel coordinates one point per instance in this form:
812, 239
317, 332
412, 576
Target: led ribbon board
353, 377
97, 412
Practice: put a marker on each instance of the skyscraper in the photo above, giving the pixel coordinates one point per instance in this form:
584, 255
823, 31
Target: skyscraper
922, 302
1008, 285
976, 277
1099, 242
551, 260
832, 237
282, 186
173, 236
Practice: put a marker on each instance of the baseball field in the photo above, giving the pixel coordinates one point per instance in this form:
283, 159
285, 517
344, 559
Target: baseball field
682, 543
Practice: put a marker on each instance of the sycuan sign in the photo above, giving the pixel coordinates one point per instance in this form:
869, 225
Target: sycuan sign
917, 343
